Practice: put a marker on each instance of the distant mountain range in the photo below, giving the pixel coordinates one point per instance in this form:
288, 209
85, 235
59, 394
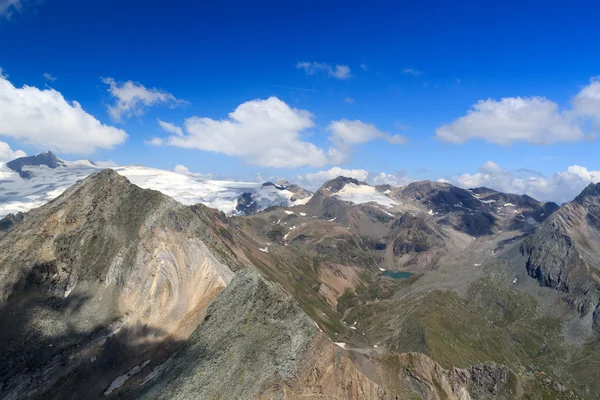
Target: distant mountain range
29, 182
426, 291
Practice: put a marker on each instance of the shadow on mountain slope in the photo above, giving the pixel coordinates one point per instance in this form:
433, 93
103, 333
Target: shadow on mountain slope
50, 350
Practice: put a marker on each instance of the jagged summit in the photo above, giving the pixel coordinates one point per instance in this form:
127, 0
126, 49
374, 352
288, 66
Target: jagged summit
590, 193
48, 159
337, 184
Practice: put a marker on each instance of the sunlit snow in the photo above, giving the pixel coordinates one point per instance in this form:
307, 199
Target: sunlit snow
18, 194
358, 194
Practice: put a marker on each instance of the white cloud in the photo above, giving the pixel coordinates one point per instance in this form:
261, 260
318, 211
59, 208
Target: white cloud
349, 100
412, 71
345, 132
7, 154
49, 77
43, 118
315, 180
269, 133
341, 72
560, 187
183, 170
155, 141
170, 127
133, 98
535, 120
9, 7
3, 75
398, 179
262, 132
587, 102
338, 72
106, 164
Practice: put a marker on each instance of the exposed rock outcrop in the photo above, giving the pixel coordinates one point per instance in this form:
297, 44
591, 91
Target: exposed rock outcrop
564, 253
105, 260
255, 342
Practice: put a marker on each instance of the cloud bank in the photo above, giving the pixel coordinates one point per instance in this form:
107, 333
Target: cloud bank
44, 119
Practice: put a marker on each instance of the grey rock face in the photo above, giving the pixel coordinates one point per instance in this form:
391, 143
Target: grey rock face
105, 271
490, 379
48, 159
251, 335
564, 253
10, 221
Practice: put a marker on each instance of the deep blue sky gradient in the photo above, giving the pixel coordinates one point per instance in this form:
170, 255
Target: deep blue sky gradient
219, 54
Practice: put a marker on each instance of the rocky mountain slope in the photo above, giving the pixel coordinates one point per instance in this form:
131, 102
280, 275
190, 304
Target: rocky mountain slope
564, 254
422, 292
107, 263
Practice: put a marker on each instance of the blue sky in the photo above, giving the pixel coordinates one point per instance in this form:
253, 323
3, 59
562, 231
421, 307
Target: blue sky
406, 69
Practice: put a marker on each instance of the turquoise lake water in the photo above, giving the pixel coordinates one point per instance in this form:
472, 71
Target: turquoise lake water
397, 274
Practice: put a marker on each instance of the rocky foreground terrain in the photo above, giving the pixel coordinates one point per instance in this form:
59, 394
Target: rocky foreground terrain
427, 291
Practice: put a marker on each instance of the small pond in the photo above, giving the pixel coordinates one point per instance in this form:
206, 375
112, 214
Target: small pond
397, 274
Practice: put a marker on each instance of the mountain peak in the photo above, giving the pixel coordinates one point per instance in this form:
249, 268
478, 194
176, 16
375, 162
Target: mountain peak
48, 159
337, 184
591, 191
589, 195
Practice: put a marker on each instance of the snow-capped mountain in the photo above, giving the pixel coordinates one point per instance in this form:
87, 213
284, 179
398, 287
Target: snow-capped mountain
30, 182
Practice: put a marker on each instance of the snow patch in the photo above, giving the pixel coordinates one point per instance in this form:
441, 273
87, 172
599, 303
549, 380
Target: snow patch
120, 380
340, 344
359, 194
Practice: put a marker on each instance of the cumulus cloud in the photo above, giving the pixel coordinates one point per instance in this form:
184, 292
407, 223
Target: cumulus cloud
315, 180
345, 132
106, 164
587, 102
270, 133
49, 77
132, 98
397, 179
155, 141
7, 154
337, 71
43, 118
412, 71
170, 128
560, 187
183, 170
262, 132
535, 120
